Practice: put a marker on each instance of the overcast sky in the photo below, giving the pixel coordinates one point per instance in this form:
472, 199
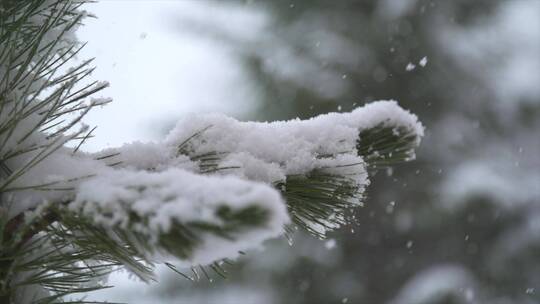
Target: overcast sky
161, 68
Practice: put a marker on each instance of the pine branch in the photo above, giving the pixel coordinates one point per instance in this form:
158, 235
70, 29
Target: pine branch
320, 199
176, 214
387, 144
31, 65
35, 44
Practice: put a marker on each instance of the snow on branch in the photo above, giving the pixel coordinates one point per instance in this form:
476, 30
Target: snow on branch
316, 169
270, 151
320, 165
198, 219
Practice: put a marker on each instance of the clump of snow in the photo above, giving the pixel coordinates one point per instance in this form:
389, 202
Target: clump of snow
295, 146
50, 179
510, 37
162, 198
410, 66
395, 9
434, 284
513, 248
489, 178
145, 156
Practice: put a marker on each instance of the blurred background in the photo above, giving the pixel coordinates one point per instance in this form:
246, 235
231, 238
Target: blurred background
461, 224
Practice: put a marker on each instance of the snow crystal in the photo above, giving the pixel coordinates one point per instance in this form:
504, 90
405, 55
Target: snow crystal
409, 244
330, 244
423, 61
410, 66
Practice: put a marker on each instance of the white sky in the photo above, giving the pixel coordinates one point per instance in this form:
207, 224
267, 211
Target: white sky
160, 67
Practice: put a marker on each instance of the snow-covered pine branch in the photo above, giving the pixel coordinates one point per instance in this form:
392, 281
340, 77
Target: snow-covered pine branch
212, 188
320, 165
313, 165
176, 214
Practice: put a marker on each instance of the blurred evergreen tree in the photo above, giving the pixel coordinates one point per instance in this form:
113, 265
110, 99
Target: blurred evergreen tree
363, 47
